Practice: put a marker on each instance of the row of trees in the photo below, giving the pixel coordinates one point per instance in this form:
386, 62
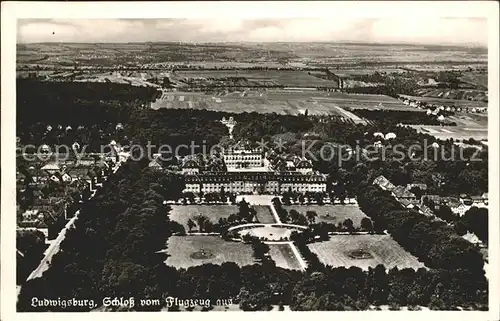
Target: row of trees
434, 243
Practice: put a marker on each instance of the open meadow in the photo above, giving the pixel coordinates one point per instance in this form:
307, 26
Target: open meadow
364, 251
186, 251
333, 214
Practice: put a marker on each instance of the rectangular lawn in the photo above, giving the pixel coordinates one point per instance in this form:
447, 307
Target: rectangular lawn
182, 213
382, 248
283, 256
331, 213
181, 250
264, 214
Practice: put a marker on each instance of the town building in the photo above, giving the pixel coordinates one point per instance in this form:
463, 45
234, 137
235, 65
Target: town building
383, 183
402, 193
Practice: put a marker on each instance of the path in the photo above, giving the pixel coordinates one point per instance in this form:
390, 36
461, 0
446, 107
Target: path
266, 200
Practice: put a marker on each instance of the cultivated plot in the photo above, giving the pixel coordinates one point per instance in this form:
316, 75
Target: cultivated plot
455, 132
283, 256
186, 251
280, 101
462, 103
182, 213
364, 251
284, 78
331, 213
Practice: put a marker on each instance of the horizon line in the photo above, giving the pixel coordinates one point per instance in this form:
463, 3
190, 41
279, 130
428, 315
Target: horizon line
347, 42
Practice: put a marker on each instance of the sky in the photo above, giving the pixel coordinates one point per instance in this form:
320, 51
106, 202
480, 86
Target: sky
466, 31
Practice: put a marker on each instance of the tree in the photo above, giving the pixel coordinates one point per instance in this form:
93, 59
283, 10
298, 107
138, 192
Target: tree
201, 219
366, 224
311, 216
349, 225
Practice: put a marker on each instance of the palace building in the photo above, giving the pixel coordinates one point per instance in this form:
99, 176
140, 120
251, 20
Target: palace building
246, 173
243, 158
255, 182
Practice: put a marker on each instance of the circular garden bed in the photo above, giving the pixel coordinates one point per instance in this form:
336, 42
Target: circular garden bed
359, 254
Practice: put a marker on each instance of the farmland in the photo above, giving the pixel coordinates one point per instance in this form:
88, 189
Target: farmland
382, 249
449, 102
455, 132
282, 102
478, 79
182, 213
454, 94
333, 214
181, 250
283, 256
286, 78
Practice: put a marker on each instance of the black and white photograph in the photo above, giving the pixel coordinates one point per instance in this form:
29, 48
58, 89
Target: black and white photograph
237, 157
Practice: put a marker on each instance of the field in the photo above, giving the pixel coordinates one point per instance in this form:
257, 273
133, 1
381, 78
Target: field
217, 251
264, 214
287, 78
455, 94
478, 79
283, 255
181, 213
280, 101
336, 213
449, 102
382, 249
455, 132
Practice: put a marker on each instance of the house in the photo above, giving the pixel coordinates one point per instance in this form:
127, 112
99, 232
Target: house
472, 238
401, 193
485, 198
422, 187
409, 203
383, 183
477, 200
460, 209
423, 209
466, 199
425, 199
451, 201
51, 168
38, 176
